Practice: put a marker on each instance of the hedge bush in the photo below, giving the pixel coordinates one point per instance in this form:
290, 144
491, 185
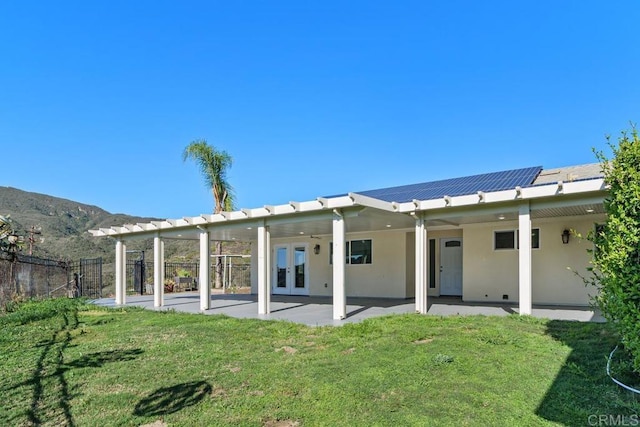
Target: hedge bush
616, 254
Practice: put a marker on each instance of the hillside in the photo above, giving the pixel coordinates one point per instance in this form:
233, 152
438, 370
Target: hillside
64, 225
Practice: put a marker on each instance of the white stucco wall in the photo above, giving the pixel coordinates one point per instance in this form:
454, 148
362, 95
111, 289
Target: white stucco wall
489, 274
385, 277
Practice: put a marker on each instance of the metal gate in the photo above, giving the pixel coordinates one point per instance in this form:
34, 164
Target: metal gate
136, 273
85, 278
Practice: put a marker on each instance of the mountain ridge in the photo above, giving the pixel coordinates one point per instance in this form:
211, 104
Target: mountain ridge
64, 226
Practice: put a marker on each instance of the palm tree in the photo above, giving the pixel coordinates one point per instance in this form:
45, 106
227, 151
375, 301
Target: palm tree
213, 165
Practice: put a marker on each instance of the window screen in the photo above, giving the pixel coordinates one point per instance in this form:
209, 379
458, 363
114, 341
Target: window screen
504, 240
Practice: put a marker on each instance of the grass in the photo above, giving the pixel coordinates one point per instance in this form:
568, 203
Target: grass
67, 363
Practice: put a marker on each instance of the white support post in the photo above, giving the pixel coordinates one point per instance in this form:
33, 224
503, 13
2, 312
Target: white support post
123, 280
421, 266
268, 267
158, 277
524, 259
205, 266
120, 268
264, 306
162, 273
339, 256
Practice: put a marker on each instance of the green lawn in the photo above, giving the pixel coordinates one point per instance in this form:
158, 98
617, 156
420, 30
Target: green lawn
63, 362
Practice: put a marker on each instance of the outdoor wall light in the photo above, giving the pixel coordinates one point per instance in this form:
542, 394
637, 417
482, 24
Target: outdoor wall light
316, 249
565, 236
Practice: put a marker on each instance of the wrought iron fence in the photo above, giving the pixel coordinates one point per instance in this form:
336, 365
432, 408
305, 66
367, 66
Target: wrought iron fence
85, 277
29, 276
173, 269
139, 275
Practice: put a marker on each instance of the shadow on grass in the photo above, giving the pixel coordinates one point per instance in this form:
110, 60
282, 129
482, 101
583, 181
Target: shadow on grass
168, 400
581, 388
51, 394
51, 358
97, 360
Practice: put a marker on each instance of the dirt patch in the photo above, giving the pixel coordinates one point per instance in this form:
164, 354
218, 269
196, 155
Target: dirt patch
158, 423
281, 423
94, 313
233, 369
218, 392
423, 341
287, 349
349, 350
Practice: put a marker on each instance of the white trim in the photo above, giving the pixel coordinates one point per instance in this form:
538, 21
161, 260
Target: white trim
544, 192
371, 202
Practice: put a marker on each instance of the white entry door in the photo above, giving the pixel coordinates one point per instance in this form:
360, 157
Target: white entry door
290, 274
451, 267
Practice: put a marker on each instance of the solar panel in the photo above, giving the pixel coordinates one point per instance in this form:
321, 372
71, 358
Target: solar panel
495, 181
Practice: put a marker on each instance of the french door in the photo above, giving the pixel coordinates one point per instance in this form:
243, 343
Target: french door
290, 274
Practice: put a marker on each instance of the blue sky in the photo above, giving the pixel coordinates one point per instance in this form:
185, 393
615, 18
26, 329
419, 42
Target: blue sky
311, 98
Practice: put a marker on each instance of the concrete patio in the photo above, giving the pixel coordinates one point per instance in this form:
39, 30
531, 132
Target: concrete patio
317, 311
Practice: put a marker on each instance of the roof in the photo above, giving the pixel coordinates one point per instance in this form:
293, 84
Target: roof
583, 184
570, 173
487, 182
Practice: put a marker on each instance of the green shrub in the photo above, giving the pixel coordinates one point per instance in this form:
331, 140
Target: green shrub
616, 254
183, 272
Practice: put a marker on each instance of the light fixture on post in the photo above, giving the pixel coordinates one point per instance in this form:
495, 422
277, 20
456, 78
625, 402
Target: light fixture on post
316, 249
565, 236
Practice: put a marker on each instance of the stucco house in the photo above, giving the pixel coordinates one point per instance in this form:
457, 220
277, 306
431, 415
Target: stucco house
498, 237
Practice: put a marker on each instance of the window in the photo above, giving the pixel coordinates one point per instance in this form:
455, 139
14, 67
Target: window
535, 238
432, 263
510, 239
356, 252
504, 240
360, 252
